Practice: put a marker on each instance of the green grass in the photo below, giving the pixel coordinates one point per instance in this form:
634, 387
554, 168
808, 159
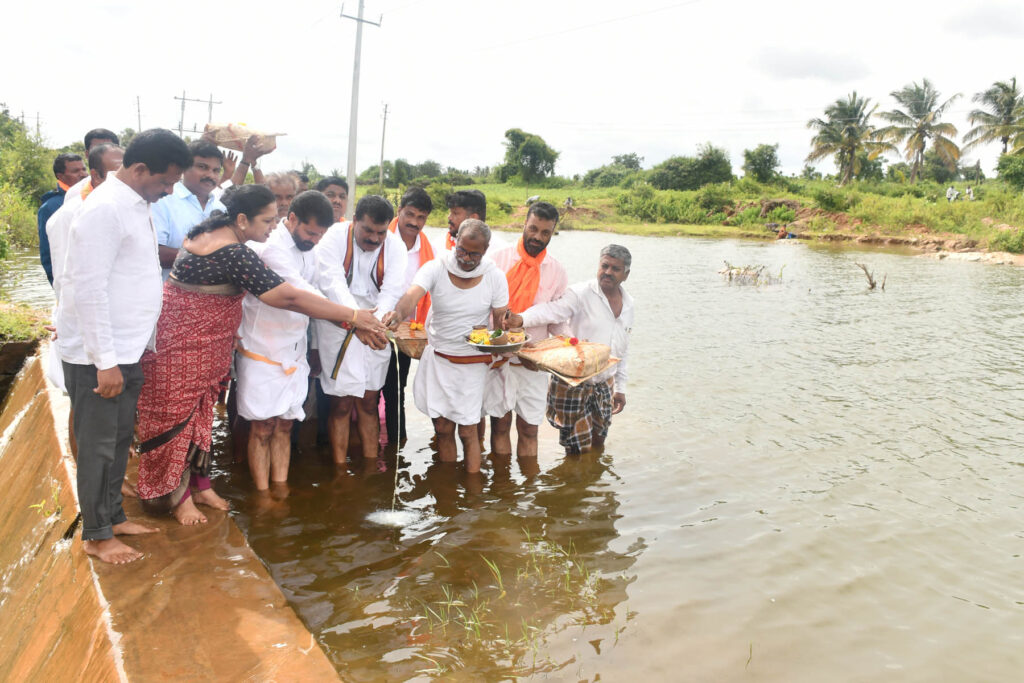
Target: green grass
20, 323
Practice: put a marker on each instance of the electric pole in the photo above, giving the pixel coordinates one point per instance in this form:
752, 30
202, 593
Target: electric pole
354, 114
138, 112
181, 122
383, 129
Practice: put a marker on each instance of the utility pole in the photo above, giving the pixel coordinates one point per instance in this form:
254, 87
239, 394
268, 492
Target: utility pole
37, 124
382, 131
354, 114
138, 111
184, 98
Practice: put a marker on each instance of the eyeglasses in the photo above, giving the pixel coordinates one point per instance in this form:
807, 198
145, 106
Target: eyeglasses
474, 255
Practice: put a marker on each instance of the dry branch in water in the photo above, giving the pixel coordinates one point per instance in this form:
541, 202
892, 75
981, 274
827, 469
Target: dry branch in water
871, 279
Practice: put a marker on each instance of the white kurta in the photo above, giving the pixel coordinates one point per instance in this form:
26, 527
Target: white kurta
442, 388
362, 368
275, 385
513, 387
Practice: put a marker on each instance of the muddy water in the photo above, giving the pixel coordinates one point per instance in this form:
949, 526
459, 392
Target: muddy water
810, 482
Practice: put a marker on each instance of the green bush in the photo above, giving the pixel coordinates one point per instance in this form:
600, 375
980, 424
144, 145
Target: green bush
715, 198
1010, 240
833, 199
781, 214
17, 219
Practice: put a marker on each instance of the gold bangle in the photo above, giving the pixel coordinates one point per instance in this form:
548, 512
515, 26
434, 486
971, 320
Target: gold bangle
355, 314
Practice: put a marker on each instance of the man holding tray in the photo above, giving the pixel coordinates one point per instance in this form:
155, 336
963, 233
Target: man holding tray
534, 277
599, 311
466, 289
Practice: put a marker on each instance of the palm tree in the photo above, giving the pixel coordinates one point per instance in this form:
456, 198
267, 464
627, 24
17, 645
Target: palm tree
918, 122
1004, 120
846, 133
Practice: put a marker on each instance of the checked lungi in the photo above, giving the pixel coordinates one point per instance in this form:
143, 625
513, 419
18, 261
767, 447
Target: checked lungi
579, 413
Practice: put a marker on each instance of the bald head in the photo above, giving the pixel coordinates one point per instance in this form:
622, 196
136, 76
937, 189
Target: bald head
103, 159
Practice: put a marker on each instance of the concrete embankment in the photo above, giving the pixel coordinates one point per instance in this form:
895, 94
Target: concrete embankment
198, 606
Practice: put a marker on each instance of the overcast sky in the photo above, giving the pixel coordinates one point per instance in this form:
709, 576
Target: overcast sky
594, 78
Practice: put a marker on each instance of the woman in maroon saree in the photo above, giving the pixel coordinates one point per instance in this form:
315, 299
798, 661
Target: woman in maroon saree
202, 308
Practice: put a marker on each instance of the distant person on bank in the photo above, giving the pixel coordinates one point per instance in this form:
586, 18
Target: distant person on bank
110, 305
361, 265
68, 169
534, 277
190, 203
413, 210
599, 311
202, 309
466, 289
271, 364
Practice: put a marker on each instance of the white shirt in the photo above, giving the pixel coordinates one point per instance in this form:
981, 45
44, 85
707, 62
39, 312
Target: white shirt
57, 230
412, 263
76, 189
111, 287
276, 333
362, 293
553, 281
591, 318
453, 311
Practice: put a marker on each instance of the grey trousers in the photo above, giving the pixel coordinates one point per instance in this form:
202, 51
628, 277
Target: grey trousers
103, 429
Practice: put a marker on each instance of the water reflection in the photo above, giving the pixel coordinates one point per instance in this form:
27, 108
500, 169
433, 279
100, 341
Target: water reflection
491, 567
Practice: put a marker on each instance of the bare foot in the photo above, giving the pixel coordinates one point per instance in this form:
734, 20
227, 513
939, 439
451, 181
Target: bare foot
128, 491
112, 551
210, 498
187, 514
129, 528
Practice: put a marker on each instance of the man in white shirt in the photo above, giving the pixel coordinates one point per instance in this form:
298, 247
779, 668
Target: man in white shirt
190, 203
413, 210
534, 277
103, 159
111, 296
272, 368
600, 311
466, 289
360, 265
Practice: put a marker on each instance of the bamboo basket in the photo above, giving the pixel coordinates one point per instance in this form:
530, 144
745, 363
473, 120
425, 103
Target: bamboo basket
234, 135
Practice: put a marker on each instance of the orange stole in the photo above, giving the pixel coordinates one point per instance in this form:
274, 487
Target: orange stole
426, 254
376, 275
449, 243
524, 279
87, 189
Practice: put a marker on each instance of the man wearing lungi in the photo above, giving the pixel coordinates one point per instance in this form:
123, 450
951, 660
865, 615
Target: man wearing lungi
599, 311
360, 265
273, 373
466, 289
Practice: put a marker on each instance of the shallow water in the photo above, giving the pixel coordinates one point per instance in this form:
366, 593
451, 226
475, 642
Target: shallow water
810, 482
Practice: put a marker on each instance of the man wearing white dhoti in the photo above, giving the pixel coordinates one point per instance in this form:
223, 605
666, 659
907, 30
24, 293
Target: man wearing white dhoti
273, 374
534, 277
361, 265
466, 289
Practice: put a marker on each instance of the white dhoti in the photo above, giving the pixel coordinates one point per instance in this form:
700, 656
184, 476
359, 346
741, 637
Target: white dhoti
450, 390
362, 369
513, 387
267, 389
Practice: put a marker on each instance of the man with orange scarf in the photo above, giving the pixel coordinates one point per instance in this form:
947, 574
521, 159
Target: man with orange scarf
412, 214
534, 277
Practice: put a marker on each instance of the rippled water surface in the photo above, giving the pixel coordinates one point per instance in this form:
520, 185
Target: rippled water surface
811, 481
